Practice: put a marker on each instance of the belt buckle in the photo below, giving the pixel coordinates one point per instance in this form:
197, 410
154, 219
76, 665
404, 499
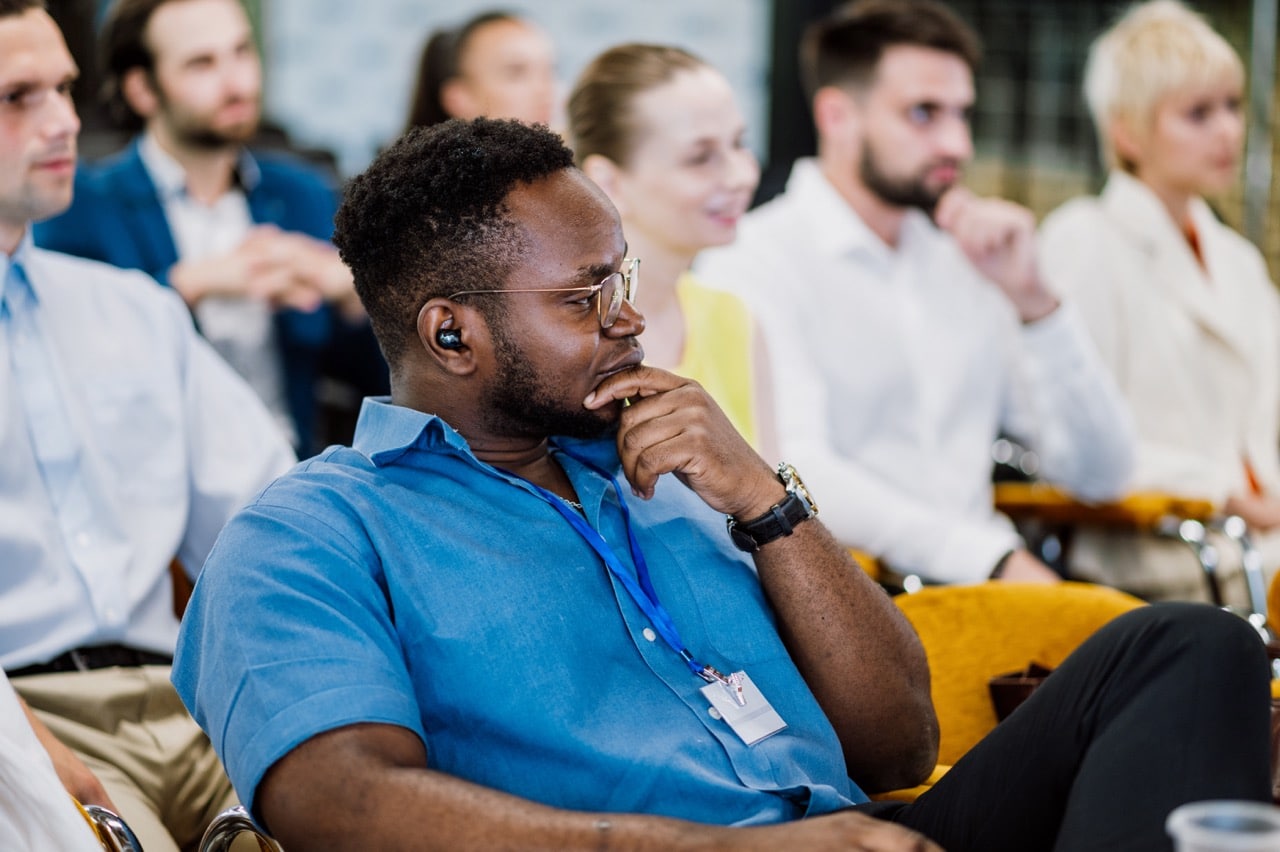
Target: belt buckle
79, 660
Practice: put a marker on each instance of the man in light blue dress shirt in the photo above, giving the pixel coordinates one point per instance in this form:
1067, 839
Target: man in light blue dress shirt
125, 444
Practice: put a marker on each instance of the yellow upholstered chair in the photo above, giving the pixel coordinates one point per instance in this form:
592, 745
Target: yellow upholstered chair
972, 633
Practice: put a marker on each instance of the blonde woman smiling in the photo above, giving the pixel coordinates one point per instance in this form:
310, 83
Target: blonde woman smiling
659, 130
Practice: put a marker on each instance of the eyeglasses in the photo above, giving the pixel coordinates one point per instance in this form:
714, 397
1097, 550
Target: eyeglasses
613, 290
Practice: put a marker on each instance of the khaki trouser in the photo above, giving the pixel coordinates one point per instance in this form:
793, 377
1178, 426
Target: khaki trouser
130, 728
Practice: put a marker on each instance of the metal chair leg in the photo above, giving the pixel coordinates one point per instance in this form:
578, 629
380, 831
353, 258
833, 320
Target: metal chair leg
1194, 535
1235, 528
116, 836
229, 825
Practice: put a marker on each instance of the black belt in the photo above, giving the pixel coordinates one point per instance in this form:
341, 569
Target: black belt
95, 657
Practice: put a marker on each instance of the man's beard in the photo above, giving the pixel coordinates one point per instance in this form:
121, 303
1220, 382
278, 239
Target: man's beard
518, 403
208, 139
908, 191
198, 133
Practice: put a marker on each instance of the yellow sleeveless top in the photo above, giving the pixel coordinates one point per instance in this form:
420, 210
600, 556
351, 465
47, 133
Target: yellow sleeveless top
717, 350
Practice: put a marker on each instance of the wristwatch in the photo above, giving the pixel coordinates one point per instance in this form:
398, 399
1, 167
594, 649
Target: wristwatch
780, 520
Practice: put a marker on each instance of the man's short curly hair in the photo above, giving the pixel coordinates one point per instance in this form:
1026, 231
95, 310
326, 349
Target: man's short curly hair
428, 218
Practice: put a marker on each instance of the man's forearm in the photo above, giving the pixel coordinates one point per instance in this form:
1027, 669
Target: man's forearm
858, 654
381, 797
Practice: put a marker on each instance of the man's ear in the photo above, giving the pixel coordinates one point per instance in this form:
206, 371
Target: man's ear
139, 93
457, 100
606, 174
835, 112
449, 333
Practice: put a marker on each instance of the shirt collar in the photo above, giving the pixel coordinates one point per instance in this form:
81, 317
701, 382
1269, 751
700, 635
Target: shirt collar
386, 432
170, 177
837, 228
8, 283
1139, 210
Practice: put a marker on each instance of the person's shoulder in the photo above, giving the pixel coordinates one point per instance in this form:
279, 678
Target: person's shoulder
61, 269
332, 496
285, 169
713, 300
1077, 214
332, 477
111, 176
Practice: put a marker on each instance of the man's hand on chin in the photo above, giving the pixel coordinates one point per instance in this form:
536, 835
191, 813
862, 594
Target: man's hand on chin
999, 238
672, 425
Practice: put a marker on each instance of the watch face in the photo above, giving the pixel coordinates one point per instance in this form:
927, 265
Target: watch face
792, 482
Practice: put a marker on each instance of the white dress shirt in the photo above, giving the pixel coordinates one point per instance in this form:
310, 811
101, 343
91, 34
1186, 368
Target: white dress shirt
36, 812
242, 330
170, 443
895, 369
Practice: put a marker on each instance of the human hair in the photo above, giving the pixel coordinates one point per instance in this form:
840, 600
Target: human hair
11, 8
844, 48
440, 62
601, 118
1152, 50
123, 47
428, 218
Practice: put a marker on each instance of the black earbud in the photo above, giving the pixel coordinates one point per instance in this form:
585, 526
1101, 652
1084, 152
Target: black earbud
449, 338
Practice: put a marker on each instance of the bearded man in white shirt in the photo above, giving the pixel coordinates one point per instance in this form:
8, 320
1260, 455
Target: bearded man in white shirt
910, 324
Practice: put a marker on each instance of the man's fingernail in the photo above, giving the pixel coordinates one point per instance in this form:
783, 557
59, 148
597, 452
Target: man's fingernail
591, 397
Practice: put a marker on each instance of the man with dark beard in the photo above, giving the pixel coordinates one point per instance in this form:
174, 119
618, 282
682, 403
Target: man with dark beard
242, 238
912, 323
511, 615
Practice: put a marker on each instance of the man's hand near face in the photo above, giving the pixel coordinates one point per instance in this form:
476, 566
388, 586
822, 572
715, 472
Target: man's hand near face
998, 237
673, 426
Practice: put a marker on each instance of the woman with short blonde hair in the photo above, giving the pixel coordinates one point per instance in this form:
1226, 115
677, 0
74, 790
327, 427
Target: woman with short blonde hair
1181, 306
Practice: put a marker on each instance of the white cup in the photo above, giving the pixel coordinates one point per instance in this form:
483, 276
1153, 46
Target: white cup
1225, 826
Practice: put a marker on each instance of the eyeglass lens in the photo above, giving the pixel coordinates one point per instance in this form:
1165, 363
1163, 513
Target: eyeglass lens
618, 287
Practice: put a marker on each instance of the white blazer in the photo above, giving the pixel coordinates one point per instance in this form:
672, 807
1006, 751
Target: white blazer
1195, 350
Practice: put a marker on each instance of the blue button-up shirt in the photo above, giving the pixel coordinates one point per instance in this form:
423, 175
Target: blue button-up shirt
161, 444
405, 582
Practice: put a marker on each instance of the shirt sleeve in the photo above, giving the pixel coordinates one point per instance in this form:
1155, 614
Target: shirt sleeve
1065, 405
864, 511
259, 685
235, 447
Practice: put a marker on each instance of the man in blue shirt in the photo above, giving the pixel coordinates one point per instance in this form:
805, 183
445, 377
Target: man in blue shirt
511, 615
124, 442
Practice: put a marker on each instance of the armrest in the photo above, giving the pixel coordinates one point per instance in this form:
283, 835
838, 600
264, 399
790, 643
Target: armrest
1139, 510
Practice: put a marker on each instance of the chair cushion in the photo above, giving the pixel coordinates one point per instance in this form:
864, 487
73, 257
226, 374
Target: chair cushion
971, 633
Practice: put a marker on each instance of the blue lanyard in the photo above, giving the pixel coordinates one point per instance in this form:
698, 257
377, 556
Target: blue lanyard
640, 587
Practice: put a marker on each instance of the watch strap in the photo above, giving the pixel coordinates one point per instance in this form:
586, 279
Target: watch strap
779, 521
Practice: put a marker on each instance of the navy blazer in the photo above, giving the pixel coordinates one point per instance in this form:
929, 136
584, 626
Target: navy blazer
116, 216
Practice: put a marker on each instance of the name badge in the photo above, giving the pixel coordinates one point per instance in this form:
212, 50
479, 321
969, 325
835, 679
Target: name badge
743, 706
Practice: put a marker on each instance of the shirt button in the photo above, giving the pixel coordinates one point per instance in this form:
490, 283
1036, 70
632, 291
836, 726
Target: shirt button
649, 634
713, 713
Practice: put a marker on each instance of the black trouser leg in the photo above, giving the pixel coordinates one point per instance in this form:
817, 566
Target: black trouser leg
1167, 704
